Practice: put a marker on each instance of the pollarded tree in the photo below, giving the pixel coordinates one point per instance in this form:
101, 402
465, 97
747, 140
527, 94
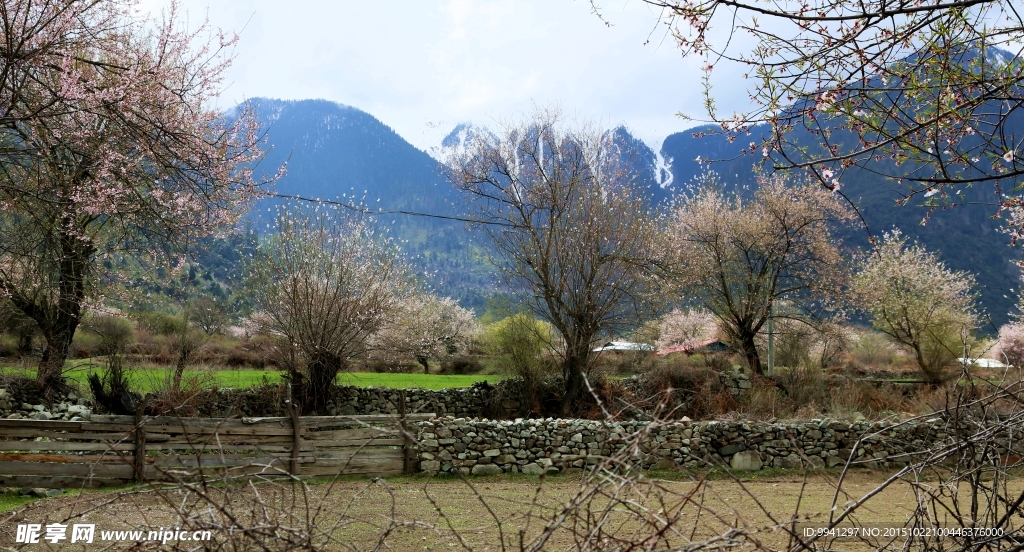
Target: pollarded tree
735, 258
426, 327
326, 283
117, 148
918, 302
573, 237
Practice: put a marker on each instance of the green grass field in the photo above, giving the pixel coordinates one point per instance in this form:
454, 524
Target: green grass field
151, 377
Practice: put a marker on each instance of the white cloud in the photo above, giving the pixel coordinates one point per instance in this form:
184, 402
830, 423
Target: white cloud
422, 67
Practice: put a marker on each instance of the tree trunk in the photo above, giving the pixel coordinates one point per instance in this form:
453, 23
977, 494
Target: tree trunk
179, 368
424, 363
750, 352
25, 343
572, 369
321, 375
58, 321
184, 350
573, 387
49, 375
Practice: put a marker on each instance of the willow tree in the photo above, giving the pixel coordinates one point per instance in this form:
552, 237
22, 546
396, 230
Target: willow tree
736, 257
326, 283
110, 144
573, 237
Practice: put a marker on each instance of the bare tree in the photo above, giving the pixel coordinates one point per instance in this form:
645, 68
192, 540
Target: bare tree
925, 93
736, 258
210, 314
326, 283
918, 302
572, 235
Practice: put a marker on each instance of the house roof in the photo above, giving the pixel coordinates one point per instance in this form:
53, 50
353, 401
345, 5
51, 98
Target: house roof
983, 363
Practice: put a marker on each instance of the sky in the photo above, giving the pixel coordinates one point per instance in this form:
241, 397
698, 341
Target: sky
422, 67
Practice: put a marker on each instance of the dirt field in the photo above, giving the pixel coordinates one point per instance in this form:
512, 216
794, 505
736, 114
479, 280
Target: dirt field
443, 514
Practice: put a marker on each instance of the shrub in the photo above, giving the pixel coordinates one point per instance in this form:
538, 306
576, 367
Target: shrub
159, 323
112, 391
847, 399
887, 397
462, 365
115, 333
186, 398
391, 367
620, 362
871, 349
8, 346
793, 341
805, 386
718, 362
84, 345
519, 342
681, 387
764, 400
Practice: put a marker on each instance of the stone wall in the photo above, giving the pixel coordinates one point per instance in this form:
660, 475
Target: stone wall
72, 408
535, 446
736, 382
462, 402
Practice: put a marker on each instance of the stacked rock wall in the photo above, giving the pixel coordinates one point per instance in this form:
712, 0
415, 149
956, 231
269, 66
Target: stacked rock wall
71, 408
535, 446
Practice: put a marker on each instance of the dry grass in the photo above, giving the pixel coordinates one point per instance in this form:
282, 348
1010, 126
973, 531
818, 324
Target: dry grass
438, 514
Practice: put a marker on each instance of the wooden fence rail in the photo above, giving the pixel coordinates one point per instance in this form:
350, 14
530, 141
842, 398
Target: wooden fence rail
116, 450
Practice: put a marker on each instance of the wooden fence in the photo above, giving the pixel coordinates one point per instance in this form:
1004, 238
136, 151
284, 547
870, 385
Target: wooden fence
116, 450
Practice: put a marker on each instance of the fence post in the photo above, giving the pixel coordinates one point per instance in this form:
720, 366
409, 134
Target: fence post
140, 442
407, 464
296, 434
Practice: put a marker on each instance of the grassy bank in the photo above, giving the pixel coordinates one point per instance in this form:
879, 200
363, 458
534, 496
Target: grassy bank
150, 378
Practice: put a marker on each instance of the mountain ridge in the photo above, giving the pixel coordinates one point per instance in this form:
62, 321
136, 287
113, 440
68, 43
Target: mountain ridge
339, 151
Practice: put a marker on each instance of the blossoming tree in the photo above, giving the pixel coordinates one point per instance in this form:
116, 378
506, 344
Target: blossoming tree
736, 258
109, 145
426, 327
918, 302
